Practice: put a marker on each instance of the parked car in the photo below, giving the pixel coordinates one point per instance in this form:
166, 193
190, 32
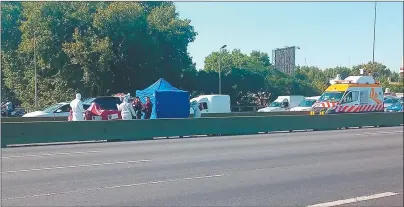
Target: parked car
390, 101
58, 110
396, 107
283, 103
306, 104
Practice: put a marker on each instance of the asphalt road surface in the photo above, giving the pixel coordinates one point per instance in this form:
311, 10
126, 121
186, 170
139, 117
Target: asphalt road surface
356, 167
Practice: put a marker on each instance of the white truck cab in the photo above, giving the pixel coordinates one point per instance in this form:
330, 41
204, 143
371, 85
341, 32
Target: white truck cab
213, 103
283, 103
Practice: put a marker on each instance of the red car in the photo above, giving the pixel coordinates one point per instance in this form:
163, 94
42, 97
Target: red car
102, 108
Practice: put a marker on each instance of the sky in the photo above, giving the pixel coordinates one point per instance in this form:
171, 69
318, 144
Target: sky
329, 34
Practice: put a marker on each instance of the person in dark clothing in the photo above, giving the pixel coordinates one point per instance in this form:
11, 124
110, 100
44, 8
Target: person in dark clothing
137, 105
147, 108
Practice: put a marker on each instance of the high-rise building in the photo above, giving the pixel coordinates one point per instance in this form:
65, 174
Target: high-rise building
284, 59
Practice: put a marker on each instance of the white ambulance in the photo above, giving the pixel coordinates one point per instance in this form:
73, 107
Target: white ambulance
354, 94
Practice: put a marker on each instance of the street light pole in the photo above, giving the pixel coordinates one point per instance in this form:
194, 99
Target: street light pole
220, 69
374, 34
36, 83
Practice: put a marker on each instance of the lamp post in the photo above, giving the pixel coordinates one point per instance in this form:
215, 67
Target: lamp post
374, 34
220, 69
36, 83
374, 40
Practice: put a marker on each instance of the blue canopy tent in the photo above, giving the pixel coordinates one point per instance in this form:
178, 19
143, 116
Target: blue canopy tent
168, 101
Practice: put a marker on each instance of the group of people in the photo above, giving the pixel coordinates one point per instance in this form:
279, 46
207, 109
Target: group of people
128, 110
135, 109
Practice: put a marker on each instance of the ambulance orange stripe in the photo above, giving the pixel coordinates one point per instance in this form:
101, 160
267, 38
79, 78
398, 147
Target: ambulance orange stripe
374, 96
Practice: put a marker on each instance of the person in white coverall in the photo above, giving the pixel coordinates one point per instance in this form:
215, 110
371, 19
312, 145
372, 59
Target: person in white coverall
126, 109
77, 109
195, 107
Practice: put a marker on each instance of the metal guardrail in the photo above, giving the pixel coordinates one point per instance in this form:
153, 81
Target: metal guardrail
49, 132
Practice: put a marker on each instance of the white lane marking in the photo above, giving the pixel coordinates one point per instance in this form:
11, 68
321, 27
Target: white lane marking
75, 166
49, 154
354, 200
117, 186
373, 133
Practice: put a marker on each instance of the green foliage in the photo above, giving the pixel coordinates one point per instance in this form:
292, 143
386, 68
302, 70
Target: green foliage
95, 48
320, 78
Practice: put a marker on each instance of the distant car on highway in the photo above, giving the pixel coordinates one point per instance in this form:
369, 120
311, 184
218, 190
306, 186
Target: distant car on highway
390, 101
306, 104
396, 107
61, 109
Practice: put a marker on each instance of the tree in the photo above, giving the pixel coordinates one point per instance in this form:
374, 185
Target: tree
96, 48
257, 61
263, 78
10, 22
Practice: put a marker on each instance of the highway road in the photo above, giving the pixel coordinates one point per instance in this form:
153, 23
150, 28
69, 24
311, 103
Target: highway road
356, 167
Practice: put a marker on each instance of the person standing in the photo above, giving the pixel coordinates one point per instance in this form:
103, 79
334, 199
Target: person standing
196, 108
9, 108
77, 108
147, 108
126, 109
137, 105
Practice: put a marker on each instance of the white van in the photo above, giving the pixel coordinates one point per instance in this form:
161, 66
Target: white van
283, 103
213, 103
306, 104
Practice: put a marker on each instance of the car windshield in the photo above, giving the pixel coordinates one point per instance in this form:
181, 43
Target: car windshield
331, 96
307, 102
52, 108
88, 101
391, 100
275, 104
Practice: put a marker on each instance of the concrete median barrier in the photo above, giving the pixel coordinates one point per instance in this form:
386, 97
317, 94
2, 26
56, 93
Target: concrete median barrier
43, 119
48, 132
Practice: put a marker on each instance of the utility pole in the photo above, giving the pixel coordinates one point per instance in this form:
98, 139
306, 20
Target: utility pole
220, 69
374, 34
36, 83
